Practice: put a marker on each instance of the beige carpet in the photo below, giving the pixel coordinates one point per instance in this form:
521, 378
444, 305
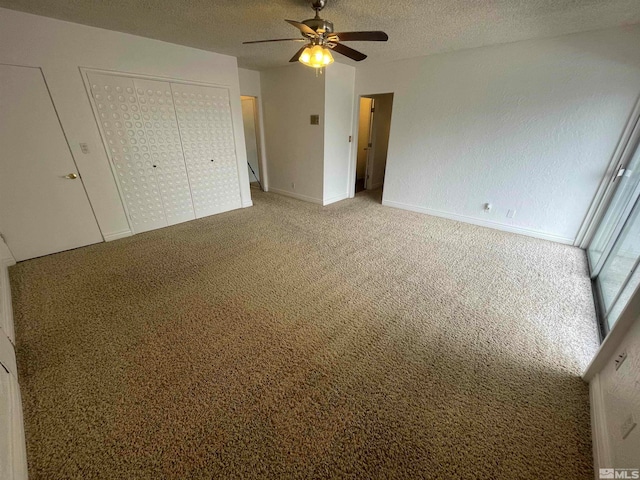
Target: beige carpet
290, 340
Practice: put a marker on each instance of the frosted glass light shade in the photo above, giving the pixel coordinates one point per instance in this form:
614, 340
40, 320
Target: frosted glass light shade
316, 56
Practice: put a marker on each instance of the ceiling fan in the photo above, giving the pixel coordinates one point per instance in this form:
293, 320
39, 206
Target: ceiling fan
320, 39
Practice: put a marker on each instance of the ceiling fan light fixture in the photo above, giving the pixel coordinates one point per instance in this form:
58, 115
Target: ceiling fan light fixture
317, 56
320, 38
327, 58
305, 56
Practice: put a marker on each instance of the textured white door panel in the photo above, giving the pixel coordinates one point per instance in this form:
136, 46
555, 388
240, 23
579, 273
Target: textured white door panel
41, 211
163, 139
206, 130
122, 126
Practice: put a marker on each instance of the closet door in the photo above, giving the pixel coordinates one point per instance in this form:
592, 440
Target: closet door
206, 130
165, 147
122, 126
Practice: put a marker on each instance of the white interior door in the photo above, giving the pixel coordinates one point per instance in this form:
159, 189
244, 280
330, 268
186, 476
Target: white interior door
208, 142
43, 205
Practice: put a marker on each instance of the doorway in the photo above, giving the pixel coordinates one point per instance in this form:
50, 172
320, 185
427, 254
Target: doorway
614, 249
251, 135
374, 125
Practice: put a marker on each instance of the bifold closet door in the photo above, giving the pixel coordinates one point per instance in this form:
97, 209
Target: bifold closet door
163, 137
137, 120
208, 142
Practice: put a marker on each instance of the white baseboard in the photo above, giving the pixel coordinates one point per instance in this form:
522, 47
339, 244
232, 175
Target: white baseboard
109, 237
335, 199
304, 198
599, 435
482, 223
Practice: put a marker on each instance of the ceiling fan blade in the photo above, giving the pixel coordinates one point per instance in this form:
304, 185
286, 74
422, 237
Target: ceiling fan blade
374, 36
349, 52
303, 28
276, 40
297, 55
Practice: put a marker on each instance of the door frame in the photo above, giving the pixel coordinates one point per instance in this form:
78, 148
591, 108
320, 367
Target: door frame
262, 160
602, 312
620, 223
608, 185
354, 143
627, 147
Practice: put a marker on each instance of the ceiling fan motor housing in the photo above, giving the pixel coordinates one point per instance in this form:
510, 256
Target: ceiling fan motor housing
319, 25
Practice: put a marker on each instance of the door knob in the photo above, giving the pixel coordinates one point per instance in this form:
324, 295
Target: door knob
71, 176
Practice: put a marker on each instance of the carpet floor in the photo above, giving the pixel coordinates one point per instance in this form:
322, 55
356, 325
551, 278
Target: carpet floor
290, 340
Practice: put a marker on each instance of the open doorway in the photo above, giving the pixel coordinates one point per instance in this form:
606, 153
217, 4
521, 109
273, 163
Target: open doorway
251, 135
374, 124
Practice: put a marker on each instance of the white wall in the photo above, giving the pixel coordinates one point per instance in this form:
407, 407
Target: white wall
295, 148
249, 81
339, 109
529, 126
60, 48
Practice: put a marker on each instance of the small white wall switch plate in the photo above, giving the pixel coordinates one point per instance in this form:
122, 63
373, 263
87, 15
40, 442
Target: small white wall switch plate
628, 425
511, 213
84, 148
620, 359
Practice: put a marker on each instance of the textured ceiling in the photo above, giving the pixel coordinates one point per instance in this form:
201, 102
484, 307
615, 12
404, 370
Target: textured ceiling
415, 27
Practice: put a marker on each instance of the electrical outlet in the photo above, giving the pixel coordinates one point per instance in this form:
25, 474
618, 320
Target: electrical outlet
620, 359
293, 185
628, 425
511, 213
84, 148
